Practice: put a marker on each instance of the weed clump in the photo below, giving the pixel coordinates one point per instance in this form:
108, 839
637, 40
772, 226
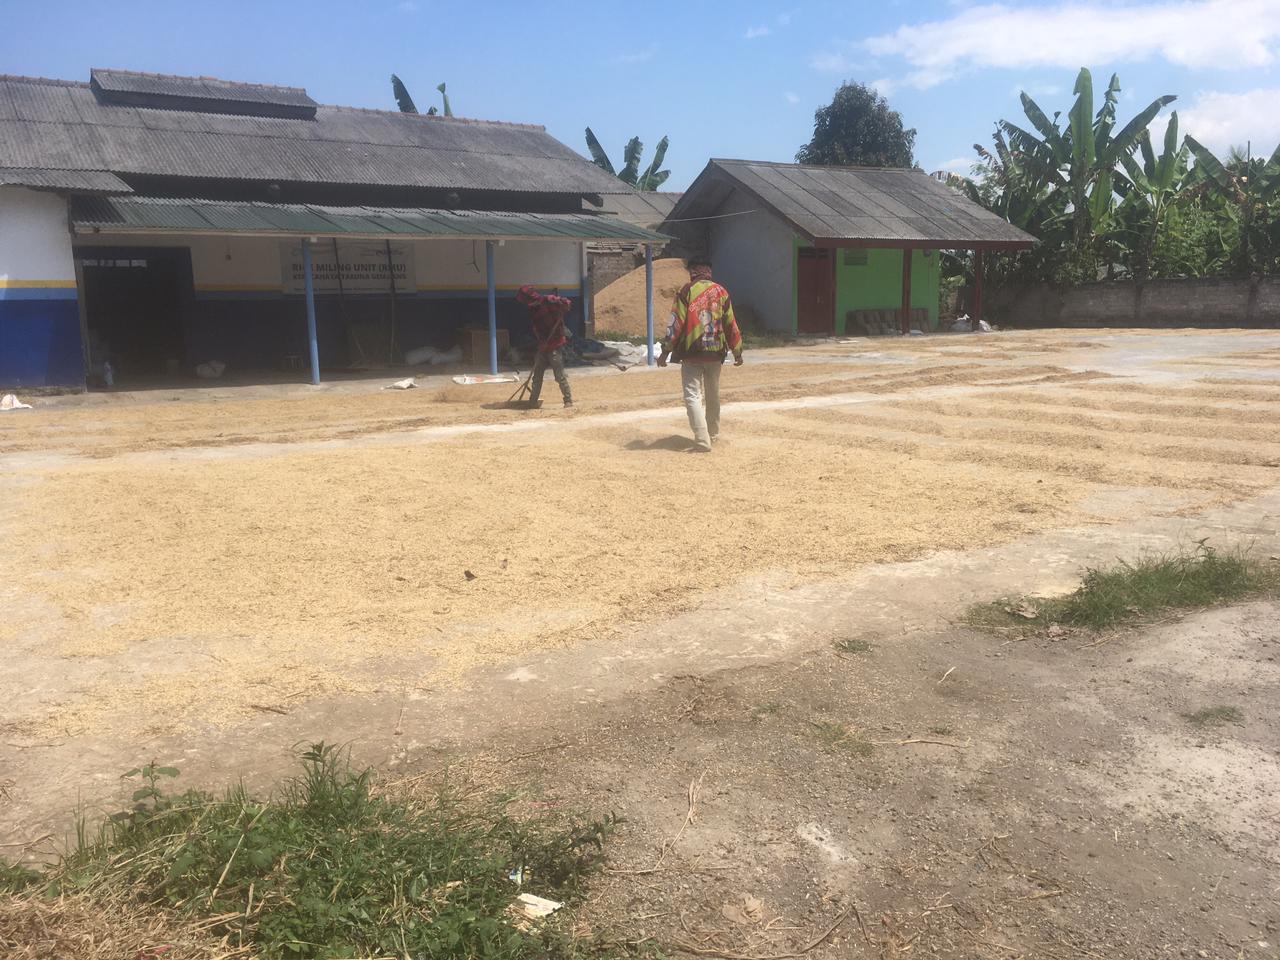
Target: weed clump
329, 867
1215, 716
1133, 591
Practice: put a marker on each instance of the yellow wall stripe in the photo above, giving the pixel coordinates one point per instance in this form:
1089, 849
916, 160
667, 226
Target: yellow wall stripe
30, 284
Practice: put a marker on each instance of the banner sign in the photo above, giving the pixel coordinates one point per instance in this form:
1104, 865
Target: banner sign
361, 265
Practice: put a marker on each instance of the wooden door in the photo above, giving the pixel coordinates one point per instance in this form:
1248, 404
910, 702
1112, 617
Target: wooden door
815, 292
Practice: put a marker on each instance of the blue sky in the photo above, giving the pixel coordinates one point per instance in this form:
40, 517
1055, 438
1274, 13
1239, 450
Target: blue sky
729, 80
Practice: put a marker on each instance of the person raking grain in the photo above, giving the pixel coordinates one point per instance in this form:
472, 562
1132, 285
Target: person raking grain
546, 312
701, 334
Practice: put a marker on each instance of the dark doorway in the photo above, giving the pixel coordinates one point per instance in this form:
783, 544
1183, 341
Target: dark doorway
815, 292
135, 299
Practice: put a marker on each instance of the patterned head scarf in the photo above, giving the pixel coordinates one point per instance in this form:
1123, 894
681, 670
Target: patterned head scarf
528, 295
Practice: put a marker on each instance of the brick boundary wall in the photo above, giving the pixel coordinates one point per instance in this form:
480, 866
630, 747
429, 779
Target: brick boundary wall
1127, 303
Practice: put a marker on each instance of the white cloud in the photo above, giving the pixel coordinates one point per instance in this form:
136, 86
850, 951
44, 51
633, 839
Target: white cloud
639, 56
1041, 89
1231, 34
784, 19
792, 98
832, 63
1224, 120
407, 6
957, 165
884, 86
754, 32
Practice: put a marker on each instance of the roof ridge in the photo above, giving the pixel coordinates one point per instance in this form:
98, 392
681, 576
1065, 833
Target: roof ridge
50, 81
55, 82
819, 166
178, 76
436, 117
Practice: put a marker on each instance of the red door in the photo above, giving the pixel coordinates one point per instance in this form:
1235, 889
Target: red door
815, 292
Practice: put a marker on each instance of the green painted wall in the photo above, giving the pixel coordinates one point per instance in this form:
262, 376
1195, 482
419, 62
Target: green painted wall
877, 285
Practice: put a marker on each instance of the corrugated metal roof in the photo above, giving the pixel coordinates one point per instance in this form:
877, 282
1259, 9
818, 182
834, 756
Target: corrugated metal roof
644, 208
80, 181
864, 204
55, 124
182, 216
199, 88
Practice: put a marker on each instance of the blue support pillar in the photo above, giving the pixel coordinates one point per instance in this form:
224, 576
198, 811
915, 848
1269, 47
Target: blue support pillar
588, 330
493, 306
648, 300
311, 314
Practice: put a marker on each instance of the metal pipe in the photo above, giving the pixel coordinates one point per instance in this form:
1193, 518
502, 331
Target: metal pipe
311, 313
648, 300
977, 288
493, 306
906, 291
588, 328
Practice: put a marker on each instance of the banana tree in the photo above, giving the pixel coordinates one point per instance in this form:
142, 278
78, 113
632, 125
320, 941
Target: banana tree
1153, 186
405, 102
1249, 190
1081, 158
651, 179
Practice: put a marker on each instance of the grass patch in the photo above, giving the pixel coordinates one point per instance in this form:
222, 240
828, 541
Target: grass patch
770, 709
1133, 591
851, 645
329, 867
836, 736
1215, 716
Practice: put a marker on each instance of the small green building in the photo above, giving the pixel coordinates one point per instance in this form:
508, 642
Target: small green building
834, 250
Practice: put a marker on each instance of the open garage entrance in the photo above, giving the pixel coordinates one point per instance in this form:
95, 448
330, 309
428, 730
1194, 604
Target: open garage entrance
135, 301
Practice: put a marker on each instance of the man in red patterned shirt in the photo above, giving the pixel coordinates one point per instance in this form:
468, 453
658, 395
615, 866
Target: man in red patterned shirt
547, 314
701, 334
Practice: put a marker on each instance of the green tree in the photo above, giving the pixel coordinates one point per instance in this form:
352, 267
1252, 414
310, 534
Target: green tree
858, 128
1150, 190
1246, 191
1080, 159
405, 102
650, 179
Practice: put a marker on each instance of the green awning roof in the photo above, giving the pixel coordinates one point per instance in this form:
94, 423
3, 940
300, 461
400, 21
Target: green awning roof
121, 215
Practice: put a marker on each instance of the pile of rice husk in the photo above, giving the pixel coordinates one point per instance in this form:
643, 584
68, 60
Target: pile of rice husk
620, 305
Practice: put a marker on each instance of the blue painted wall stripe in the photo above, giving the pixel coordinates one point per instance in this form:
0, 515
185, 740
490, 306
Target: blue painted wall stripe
37, 293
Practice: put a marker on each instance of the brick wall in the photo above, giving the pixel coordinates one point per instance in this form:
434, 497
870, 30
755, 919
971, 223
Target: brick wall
1157, 303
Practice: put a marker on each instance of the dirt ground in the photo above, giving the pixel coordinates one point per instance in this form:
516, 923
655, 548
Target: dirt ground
209, 577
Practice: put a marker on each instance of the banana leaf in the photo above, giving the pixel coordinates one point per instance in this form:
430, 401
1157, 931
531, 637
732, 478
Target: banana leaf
1209, 164
1126, 138
1080, 123
448, 111
401, 93
598, 156
631, 153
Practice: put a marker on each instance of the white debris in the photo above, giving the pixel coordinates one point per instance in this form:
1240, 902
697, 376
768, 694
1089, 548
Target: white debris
420, 355
408, 383
10, 402
534, 908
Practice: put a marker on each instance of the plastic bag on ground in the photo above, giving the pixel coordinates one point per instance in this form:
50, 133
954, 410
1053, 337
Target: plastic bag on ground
10, 402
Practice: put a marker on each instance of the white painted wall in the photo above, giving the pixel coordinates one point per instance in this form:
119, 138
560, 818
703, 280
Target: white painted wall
35, 242
460, 264
253, 264
752, 254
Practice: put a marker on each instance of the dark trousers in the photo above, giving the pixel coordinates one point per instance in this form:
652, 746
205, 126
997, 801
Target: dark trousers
555, 361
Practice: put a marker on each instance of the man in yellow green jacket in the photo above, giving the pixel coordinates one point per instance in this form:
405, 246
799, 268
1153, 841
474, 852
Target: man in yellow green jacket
701, 334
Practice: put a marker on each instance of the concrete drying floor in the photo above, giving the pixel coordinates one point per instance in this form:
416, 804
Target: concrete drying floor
209, 577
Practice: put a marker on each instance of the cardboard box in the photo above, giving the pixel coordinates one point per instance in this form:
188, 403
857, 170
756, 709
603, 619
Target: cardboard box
475, 344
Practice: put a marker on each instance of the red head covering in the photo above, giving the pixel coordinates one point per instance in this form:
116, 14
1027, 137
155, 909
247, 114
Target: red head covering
528, 295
